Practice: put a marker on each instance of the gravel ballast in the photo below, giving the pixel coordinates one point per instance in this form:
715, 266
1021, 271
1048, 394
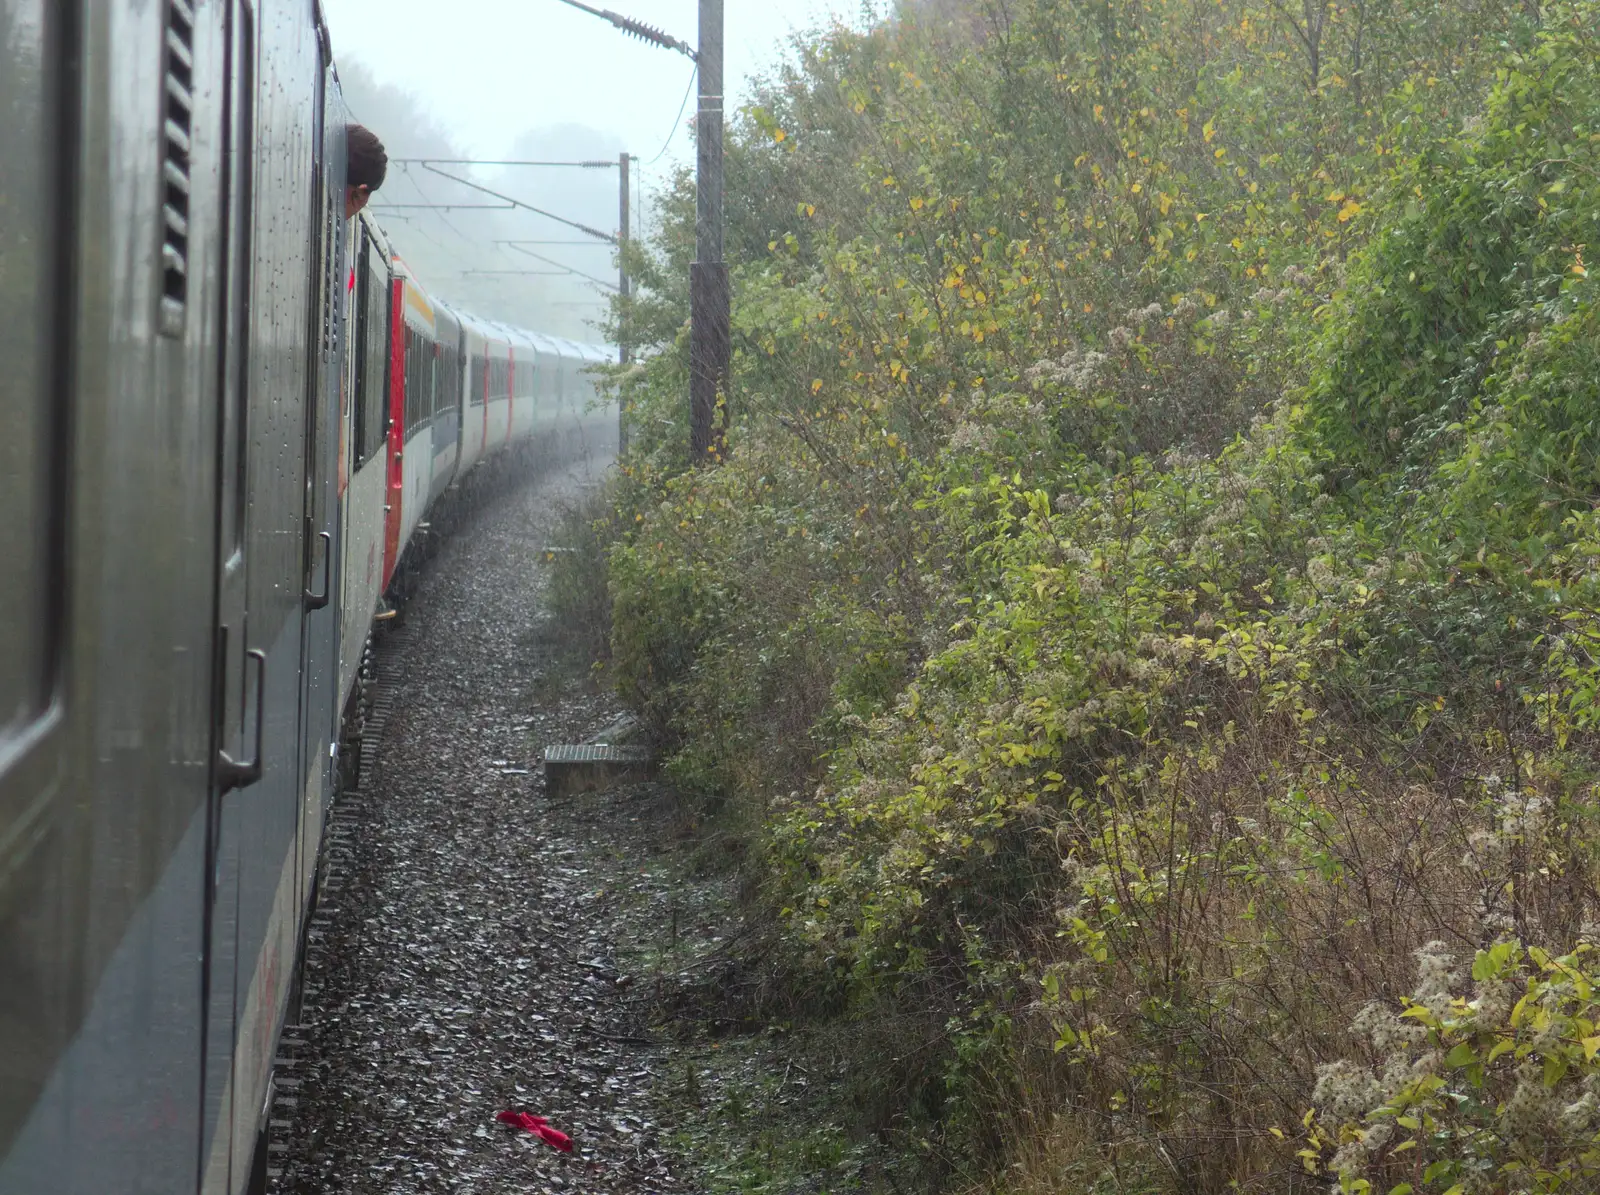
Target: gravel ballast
467, 963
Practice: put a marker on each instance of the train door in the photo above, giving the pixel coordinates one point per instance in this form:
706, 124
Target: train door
238, 671
270, 403
394, 492
319, 649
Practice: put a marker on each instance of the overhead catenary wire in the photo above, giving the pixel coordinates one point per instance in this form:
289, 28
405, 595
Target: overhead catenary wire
677, 121
586, 164
552, 261
417, 187
594, 232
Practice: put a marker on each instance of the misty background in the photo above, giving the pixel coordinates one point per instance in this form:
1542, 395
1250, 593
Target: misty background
537, 80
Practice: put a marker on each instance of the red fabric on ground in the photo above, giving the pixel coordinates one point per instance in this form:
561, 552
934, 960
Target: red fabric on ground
539, 1127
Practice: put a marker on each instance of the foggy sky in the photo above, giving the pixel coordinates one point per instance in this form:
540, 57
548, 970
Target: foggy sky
489, 70
535, 79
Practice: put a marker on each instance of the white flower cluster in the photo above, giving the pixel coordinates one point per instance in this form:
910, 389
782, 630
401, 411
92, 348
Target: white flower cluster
1319, 571
975, 437
1077, 370
1268, 296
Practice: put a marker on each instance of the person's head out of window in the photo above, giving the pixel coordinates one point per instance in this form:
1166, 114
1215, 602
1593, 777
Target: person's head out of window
367, 164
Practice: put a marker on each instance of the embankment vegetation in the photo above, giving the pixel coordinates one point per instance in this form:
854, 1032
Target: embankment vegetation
1144, 628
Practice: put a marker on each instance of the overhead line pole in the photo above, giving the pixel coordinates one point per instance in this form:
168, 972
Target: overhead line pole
622, 290
710, 303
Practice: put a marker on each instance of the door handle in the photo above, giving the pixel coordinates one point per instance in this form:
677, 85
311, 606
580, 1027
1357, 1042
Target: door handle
233, 773
315, 601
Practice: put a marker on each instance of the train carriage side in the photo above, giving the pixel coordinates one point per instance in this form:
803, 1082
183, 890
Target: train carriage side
108, 502
170, 326
448, 406
569, 408
585, 388
365, 460
547, 385
525, 380
497, 403
415, 336
475, 406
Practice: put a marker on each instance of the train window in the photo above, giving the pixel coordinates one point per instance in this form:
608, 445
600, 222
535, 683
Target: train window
475, 381
433, 364
450, 377
430, 358
371, 417
416, 381
28, 302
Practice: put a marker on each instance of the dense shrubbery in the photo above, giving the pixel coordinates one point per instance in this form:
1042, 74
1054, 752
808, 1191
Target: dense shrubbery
1151, 593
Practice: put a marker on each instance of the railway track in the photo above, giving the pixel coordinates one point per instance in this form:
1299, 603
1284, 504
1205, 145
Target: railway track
463, 956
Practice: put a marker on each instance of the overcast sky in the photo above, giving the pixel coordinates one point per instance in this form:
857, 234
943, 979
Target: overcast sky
491, 69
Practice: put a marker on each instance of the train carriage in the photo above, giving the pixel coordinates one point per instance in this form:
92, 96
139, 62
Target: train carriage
413, 386
228, 410
364, 458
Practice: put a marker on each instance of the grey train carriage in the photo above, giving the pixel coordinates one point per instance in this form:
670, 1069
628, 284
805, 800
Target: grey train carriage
226, 412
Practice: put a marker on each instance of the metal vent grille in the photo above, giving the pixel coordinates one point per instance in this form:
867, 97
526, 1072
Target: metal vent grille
177, 127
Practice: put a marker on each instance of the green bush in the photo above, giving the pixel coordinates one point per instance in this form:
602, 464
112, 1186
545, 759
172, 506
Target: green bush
1155, 551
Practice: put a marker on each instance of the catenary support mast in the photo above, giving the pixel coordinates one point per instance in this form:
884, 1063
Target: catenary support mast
709, 298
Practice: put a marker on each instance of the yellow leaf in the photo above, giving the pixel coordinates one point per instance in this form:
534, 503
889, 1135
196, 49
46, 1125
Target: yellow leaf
916, 205
816, 384
1349, 211
1208, 130
779, 135
1590, 1046
1137, 187
1278, 1133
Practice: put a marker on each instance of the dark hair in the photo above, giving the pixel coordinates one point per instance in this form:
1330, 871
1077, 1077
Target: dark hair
366, 163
